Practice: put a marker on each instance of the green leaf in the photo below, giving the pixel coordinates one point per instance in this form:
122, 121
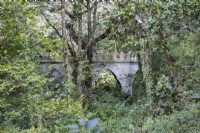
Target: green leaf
5, 51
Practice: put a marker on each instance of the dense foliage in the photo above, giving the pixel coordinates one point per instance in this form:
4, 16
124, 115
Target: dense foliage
163, 34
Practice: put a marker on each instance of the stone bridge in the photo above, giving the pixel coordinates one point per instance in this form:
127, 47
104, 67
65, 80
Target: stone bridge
123, 66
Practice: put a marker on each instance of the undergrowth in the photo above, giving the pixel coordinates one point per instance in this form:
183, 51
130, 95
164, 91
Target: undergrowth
122, 114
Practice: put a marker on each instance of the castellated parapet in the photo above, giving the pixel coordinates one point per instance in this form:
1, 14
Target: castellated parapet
114, 57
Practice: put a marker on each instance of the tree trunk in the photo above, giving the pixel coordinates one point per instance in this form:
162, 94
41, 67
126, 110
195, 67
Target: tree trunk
145, 60
64, 42
90, 43
145, 57
79, 53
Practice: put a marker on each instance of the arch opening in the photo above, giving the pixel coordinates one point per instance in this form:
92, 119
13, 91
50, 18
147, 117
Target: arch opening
56, 81
107, 82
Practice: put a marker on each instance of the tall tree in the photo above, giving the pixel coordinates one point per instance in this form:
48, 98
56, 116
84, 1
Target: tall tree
81, 24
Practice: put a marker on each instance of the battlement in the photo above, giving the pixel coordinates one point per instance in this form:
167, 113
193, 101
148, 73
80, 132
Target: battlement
102, 57
115, 57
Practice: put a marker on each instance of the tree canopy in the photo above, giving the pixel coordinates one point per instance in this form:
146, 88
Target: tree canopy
164, 35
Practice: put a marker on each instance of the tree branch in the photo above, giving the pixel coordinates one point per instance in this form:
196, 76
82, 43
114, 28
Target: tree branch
53, 26
72, 32
80, 32
91, 28
104, 35
139, 20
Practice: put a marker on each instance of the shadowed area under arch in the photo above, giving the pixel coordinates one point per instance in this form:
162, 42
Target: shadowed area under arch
109, 74
123, 72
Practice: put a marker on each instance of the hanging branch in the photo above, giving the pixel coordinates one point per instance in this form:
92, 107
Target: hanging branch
64, 33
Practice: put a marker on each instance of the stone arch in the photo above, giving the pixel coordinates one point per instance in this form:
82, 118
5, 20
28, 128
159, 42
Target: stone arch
54, 69
114, 77
123, 72
113, 74
58, 78
55, 73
